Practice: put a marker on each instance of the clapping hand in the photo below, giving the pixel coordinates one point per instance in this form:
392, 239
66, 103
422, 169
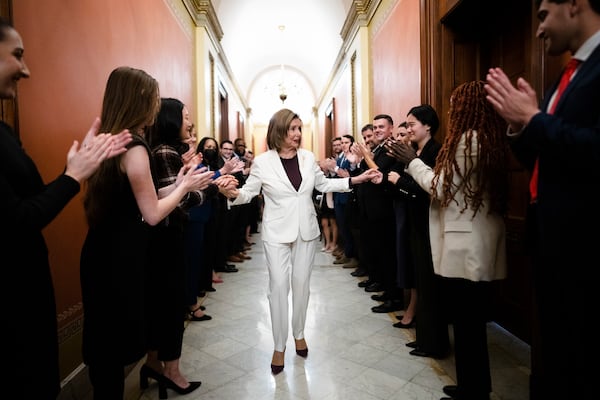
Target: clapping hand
232, 166
403, 152
342, 173
190, 157
328, 165
95, 148
517, 105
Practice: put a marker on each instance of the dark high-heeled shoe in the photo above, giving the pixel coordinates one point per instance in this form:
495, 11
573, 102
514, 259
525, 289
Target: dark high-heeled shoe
275, 369
193, 316
301, 352
165, 383
147, 372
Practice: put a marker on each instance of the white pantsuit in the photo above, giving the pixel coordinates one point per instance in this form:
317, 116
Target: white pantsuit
283, 260
289, 232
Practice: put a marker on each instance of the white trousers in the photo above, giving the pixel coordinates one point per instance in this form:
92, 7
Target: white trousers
284, 261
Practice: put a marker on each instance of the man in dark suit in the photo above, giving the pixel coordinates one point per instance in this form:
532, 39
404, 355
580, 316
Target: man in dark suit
378, 223
562, 137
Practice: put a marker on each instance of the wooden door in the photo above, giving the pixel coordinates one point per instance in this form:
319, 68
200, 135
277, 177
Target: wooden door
466, 41
329, 127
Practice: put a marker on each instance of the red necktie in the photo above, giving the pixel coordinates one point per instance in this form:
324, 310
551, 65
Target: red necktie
562, 85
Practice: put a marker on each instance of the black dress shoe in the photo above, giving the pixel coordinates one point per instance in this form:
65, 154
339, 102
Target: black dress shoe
399, 324
420, 353
412, 345
359, 272
380, 297
365, 283
388, 306
451, 390
375, 287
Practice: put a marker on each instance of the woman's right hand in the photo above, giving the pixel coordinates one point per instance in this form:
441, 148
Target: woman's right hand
95, 148
232, 166
195, 179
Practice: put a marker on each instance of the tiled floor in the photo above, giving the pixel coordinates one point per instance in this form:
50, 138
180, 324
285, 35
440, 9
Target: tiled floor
353, 352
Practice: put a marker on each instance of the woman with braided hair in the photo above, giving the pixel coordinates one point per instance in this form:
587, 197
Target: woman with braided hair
469, 191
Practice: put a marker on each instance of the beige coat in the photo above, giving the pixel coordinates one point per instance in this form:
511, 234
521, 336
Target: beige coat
462, 246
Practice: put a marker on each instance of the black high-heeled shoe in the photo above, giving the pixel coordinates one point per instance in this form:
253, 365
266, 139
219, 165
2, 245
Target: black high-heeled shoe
147, 372
302, 352
193, 317
165, 383
276, 369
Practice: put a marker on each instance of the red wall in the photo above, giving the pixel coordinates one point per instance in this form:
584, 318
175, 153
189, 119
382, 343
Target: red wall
70, 48
396, 62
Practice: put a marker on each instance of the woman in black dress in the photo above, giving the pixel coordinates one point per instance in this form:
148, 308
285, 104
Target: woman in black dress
120, 204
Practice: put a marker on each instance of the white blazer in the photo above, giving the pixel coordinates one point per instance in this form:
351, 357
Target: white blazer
462, 246
287, 213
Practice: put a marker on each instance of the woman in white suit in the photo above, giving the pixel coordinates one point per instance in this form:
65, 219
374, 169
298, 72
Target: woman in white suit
469, 188
287, 176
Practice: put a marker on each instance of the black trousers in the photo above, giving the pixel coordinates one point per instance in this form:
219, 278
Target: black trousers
469, 309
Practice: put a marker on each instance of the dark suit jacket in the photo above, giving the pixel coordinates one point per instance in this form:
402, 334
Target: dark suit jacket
375, 200
568, 146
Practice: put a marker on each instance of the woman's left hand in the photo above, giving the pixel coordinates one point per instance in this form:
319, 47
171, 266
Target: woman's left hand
402, 152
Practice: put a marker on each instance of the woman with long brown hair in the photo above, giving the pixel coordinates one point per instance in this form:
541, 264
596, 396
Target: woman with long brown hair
121, 203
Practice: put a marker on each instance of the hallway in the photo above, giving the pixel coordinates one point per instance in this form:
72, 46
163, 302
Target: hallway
353, 352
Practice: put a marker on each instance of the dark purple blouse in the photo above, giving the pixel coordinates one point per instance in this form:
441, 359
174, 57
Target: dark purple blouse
292, 169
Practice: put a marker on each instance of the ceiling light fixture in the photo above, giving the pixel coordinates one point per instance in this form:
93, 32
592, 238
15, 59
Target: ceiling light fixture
282, 91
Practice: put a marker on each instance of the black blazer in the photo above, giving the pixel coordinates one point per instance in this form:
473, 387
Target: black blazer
375, 201
27, 206
406, 185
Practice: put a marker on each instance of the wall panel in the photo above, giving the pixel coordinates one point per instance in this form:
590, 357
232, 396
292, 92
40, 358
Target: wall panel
71, 47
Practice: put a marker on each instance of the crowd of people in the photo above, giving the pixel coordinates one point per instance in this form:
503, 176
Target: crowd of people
421, 220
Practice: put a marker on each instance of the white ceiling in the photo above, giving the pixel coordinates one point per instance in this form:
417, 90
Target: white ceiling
256, 48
